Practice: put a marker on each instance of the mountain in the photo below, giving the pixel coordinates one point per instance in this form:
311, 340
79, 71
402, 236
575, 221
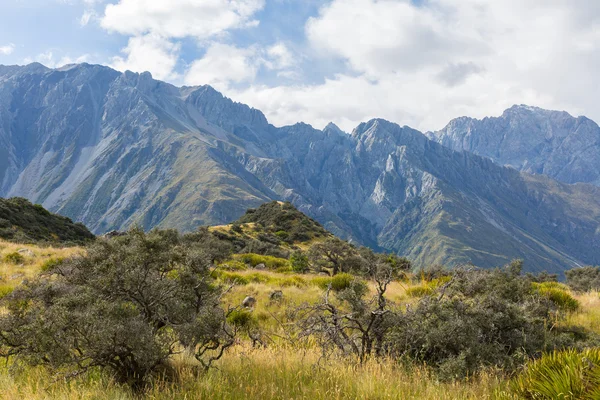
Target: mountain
23, 222
532, 140
116, 149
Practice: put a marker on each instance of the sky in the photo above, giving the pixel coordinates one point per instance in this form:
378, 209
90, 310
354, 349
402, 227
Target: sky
414, 62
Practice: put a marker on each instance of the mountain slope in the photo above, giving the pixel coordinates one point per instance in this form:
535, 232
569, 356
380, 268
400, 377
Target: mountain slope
23, 222
113, 150
532, 140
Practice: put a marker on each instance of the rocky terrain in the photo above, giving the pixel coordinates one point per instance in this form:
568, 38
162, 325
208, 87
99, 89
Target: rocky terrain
533, 140
114, 149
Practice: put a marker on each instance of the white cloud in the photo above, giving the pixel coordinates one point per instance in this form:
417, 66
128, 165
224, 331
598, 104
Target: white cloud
224, 64
179, 18
281, 57
7, 49
424, 64
87, 16
149, 53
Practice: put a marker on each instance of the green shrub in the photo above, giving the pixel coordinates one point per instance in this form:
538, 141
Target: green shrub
233, 265
50, 264
231, 277
338, 282
299, 262
5, 290
568, 374
14, 258
255, 259
557, 293
126, 306
283, 235
241, 318
419, 290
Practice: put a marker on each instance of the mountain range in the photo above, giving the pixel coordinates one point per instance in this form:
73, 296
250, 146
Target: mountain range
113, 150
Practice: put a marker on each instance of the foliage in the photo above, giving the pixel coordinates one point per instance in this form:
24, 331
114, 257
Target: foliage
284, 221
334, 254
568, 374
14, 258
125, 306
479, 318
299, 262
256, 259
51, 263
584, 279
23, 222
558, 294
419, 290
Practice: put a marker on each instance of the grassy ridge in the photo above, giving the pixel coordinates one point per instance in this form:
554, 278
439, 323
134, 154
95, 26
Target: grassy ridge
24, 222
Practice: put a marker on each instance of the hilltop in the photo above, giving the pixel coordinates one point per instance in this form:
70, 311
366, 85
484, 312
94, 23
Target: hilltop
24, 222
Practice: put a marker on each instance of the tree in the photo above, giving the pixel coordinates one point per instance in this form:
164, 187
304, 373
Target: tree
126, 306
333, 253
354, 324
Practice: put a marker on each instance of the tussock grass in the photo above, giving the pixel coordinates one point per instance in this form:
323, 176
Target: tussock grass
33, 259
272, 373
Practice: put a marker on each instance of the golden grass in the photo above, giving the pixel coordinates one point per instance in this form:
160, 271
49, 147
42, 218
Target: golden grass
277, 372
12, 274
588, 314
272, 373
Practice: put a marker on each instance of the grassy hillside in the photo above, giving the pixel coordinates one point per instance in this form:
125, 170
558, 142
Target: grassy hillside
282, 369
24, 222
275, 354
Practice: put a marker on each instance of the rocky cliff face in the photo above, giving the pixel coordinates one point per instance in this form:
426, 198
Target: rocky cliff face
533, 140
113, 150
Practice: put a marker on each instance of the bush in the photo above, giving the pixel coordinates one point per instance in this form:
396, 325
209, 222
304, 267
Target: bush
233, 265
126, 306
299, 262
481, 318
241, 318
14, 258
338, 282
556, 293
231, 278
269, 261
568, 374
419, 290
583, 279
5, 290
50, 264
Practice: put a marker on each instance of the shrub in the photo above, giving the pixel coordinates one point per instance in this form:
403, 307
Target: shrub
232, 278
5, 290
241, 318
126, 306
233, 265
338, 282
568, 374
481, 318
419, 290
50, 264
283, 235
556, 293
299, 262
14, 258
583, 279
255, 259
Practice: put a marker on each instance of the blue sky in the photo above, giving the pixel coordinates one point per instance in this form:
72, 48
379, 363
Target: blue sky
418, 63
